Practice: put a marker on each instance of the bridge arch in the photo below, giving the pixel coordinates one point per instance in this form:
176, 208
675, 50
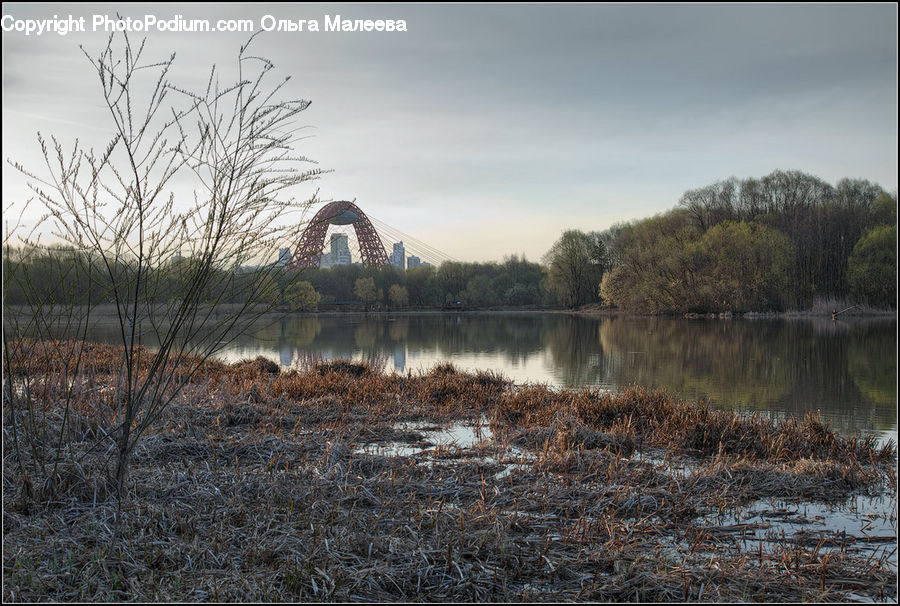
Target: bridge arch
341, 212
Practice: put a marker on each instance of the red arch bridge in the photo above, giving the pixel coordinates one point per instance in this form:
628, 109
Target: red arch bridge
308, 252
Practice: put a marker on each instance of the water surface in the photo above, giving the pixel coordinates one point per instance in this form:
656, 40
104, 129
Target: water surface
846, 369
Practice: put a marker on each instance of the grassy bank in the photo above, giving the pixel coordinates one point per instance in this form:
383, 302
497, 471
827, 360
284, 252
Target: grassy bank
345, 483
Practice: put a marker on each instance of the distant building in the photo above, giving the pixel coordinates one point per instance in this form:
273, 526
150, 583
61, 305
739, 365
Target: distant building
284, 257
398, 257
413, 262
245, 269
340, 252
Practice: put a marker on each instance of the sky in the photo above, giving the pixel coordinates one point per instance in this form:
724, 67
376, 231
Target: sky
486, 130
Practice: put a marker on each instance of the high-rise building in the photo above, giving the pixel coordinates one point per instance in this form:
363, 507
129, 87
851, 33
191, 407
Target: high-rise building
284, 257
340, 251
413, 262
398, 257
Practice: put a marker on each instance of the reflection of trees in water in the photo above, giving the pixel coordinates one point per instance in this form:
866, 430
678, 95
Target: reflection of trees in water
875, 376
303, 331
797, 367
515, 336
577, 354
398, 330
726, 361
846, 368
366, 334
843, 368
825, 374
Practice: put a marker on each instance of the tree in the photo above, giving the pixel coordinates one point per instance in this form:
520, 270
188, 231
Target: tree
398, 295
884, 209
521, 294
669, 266
265, 290
872, 267
821, 222
711, 204
576, 263
480, 292
364, 289
422, 284
452, 279
301, 296
747, 267
235, 141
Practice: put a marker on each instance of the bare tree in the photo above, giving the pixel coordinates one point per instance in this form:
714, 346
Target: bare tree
575, 266
117, 210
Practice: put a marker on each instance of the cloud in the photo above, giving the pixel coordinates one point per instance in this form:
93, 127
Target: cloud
502, 115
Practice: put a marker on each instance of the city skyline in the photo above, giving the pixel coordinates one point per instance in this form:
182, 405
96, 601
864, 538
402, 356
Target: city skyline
487, 130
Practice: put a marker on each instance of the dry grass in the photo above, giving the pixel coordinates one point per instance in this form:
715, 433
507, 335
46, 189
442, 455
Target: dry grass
254, 486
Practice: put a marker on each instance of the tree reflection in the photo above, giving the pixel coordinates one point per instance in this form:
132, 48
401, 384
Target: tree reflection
845, 369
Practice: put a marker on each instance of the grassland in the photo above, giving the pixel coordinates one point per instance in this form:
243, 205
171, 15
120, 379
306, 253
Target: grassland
344, 483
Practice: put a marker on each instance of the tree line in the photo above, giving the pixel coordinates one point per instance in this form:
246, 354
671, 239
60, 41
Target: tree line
62, 275
513, 282
767, 244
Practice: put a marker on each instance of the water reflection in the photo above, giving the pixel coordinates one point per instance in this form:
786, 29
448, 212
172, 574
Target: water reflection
846, 369
782, 366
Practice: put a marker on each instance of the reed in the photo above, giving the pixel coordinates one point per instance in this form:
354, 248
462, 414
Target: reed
256, 486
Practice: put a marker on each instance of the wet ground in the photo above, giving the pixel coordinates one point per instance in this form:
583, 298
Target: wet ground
860, 525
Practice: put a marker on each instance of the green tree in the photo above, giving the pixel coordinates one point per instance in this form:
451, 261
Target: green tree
364, 289
398, 296
265, 289
521, 294
480, 292
872, 267
302, 296
747, 267
670, 266
658, 267
452, 278
422, 284
884, 209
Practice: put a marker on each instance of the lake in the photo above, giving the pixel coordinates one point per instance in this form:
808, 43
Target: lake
846, 369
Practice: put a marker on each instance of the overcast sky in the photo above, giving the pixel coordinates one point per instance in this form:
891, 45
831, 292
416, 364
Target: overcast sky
486, 130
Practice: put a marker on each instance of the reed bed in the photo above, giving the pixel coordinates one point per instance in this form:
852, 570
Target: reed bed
258, 484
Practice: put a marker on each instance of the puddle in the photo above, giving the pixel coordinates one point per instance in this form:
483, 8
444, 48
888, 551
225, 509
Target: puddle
455, 435
862, 524
436, 443
674, 466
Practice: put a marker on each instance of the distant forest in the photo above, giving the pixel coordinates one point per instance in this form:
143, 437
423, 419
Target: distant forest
773, 243
768, 244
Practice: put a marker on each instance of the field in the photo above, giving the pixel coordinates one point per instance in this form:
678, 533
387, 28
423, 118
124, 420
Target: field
341, 482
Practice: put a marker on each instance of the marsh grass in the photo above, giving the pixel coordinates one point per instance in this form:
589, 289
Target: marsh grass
256, 485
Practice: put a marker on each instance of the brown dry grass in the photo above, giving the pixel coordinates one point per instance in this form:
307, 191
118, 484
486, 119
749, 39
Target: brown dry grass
253, 487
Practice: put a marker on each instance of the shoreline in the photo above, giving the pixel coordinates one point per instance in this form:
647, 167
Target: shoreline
814, 313
108, 310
